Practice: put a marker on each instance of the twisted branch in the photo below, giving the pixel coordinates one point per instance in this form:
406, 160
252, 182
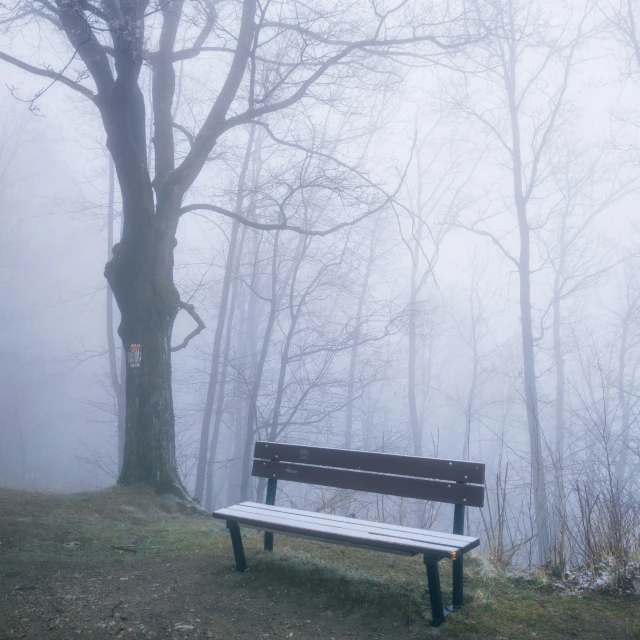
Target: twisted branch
189, 308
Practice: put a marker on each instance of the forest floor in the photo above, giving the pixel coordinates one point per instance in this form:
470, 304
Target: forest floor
61, 578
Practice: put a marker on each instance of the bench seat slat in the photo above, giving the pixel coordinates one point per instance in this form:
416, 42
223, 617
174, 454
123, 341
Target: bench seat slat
318, 537
304, 523
351, 524
335, 534
411, 533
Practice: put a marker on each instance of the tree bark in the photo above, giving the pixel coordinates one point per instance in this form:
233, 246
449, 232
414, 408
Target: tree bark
148, 302
140, 274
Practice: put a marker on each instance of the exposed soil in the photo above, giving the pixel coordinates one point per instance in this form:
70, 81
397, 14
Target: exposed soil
154, 598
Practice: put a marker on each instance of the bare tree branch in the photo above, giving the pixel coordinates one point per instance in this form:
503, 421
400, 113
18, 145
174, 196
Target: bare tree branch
48, 73
189, 308
275, 226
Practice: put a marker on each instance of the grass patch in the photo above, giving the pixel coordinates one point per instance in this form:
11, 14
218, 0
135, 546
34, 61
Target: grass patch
99, 520
498, 607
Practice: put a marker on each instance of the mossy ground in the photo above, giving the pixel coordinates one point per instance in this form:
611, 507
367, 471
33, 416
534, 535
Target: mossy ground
61, 578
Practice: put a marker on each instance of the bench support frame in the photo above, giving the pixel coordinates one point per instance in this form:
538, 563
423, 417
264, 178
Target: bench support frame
236, 543
433, 576
458, 566
272, 486
435, 592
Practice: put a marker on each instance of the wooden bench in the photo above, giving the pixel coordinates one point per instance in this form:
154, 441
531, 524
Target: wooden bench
448, 481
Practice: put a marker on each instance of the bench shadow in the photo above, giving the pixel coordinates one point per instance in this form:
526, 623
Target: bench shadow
345, 577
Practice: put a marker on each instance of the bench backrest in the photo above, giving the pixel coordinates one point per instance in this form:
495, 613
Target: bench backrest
451, 481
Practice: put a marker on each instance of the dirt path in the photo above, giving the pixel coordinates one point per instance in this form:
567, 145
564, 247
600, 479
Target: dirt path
179, 599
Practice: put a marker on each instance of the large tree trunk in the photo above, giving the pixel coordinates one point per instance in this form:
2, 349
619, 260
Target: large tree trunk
140, 277
140, 274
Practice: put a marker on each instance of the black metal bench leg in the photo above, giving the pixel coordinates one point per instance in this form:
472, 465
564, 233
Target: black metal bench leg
268, 541
272, 485
435, 592
236, 542
458, 596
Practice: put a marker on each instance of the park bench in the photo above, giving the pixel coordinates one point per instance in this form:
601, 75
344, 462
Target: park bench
447, 481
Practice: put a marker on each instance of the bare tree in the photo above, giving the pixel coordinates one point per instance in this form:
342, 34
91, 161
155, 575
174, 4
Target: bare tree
250, 426
586, 188
432, 209
205, 444
622, 18
527, 53
108, 44
625, 379
475, 330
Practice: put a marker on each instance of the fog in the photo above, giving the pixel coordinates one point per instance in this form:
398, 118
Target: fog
426, 244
